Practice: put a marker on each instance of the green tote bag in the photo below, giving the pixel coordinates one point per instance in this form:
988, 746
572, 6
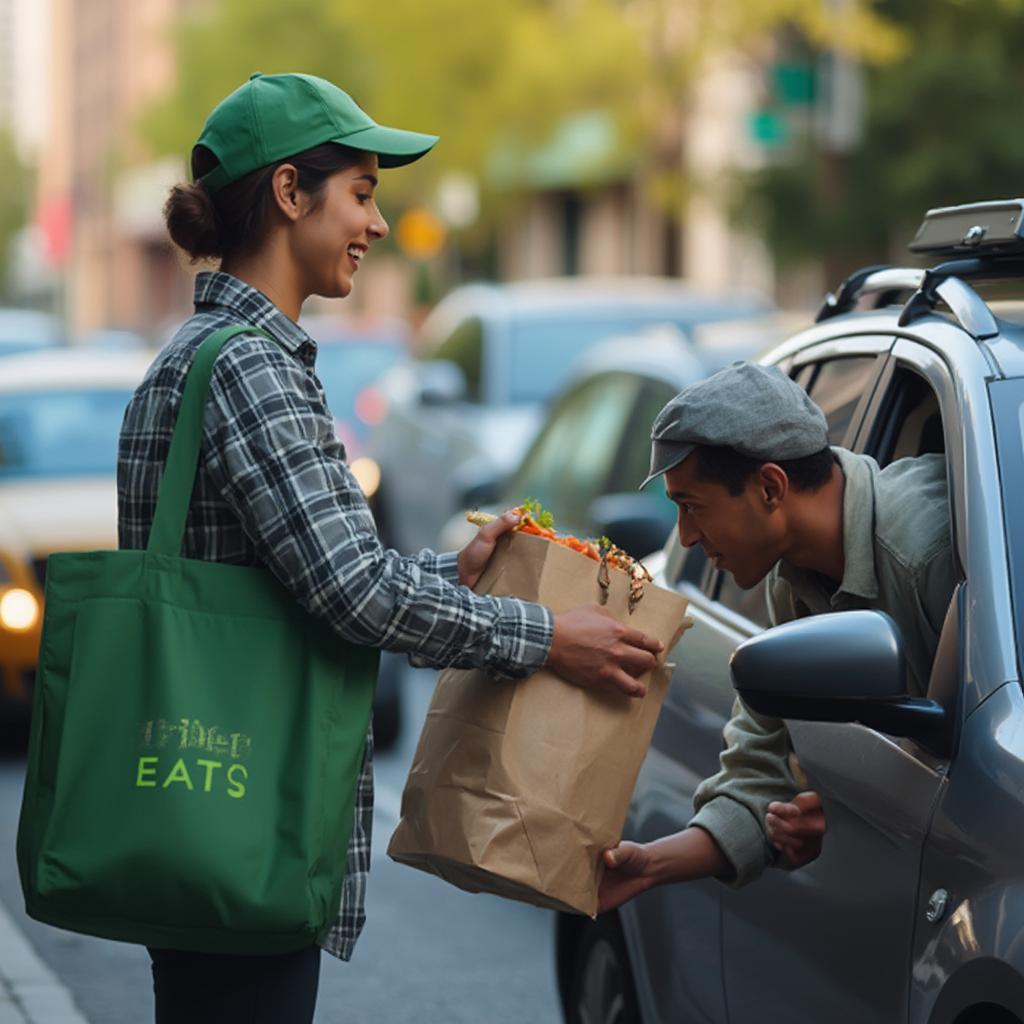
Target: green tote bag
195, 744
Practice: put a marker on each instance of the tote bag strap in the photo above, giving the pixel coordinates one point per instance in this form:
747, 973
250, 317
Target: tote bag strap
175, 492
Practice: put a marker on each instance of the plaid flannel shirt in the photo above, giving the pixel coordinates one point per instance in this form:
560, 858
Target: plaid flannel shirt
272, 489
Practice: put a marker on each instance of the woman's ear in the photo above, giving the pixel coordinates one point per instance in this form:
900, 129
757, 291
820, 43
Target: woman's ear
285, 186
774, 485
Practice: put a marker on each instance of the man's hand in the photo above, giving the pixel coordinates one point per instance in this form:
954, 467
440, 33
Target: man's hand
797, 829
593, 649
473, 558
632, 868
627, 873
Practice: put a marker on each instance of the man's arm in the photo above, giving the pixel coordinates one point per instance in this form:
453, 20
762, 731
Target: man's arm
633, 868
727, 837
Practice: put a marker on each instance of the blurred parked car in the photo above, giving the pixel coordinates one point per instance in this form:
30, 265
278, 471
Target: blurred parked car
351, 355
593, 449
27, 330
117, 339
913, 912
60, 414
491, 356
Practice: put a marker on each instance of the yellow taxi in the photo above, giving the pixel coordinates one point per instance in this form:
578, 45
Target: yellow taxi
60, 414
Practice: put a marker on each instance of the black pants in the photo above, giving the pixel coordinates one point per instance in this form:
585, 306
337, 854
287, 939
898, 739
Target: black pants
214, 988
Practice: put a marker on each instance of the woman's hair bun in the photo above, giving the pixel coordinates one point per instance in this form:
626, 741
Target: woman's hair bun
192, 222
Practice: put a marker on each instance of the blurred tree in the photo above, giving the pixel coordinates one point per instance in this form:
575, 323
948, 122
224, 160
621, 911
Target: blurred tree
941, 127
495, 77
219, 45
15, 202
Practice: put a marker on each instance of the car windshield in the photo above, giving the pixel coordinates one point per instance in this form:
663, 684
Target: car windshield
543, 351
345, 369
60, 433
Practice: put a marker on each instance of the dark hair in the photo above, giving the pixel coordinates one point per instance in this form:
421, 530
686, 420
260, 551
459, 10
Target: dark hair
732, 469
234, 219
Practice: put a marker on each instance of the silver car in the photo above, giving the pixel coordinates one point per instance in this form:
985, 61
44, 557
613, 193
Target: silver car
459, 419
603, 419
914, 912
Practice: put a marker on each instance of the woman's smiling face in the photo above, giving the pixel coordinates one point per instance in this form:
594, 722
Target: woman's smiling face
330, 241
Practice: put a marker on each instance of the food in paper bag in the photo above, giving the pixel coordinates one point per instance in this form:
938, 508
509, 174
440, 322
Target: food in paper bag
517, 787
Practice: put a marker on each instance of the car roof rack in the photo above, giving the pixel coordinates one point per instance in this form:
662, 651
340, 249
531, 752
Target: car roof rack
993, 235
976, 229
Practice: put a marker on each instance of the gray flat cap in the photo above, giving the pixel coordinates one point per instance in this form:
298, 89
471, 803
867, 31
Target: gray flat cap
755, 409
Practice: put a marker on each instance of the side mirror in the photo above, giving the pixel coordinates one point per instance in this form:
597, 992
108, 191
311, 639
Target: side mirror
637, 523
441, 383
844, 667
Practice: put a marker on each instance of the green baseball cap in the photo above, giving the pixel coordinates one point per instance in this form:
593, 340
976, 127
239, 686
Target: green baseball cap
272, 117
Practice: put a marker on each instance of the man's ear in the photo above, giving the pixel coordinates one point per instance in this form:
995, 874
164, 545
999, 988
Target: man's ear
774, 485
285, 186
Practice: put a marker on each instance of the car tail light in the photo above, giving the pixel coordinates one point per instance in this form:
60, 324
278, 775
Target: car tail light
367, 474
371, 405
19, 610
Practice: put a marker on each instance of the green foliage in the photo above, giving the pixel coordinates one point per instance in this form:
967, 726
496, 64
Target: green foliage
941, 127
15, 201
218, 48
491, 76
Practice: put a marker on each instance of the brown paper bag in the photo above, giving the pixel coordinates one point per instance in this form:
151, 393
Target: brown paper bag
517, 787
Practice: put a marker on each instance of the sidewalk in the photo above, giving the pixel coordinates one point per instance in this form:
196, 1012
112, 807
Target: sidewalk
30, 993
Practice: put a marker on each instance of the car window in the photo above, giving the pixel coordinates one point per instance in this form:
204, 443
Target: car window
60, 433
465, 347
837, 386
908, 421
571, 462
1008, 415
636, 451
541, 353
542, 350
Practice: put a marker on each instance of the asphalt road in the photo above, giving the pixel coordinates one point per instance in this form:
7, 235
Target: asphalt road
430, 953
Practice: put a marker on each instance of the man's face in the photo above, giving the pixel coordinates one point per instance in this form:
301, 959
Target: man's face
742, 533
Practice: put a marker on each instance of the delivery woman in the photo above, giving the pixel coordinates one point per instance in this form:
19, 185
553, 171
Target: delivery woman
284, 197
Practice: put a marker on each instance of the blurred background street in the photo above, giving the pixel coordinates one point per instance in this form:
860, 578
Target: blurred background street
627, 195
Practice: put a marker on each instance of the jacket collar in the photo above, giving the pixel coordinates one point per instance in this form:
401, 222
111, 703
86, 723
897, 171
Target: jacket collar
251, 306
860, 581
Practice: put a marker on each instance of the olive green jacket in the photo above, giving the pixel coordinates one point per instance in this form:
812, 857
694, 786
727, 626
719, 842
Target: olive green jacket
898, 559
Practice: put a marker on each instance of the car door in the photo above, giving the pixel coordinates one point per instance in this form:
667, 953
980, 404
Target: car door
676, 930
427, 439
831, 941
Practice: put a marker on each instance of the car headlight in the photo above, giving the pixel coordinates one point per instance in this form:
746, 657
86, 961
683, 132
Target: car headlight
367, 474
19, 610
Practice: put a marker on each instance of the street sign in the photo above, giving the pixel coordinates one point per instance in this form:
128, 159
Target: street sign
420, 234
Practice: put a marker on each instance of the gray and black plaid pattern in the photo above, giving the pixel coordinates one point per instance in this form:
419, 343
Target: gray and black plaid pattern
272, 489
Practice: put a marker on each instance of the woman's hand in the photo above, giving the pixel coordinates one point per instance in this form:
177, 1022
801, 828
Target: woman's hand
797, 829
473, 558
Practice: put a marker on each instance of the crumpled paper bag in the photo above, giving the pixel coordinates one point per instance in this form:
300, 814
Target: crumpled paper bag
517, 787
